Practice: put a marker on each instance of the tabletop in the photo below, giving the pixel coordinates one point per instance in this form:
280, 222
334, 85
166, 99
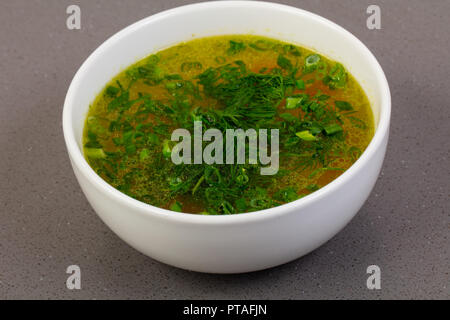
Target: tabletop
47, 225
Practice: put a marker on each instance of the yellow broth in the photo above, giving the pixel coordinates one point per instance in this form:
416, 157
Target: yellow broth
123, 137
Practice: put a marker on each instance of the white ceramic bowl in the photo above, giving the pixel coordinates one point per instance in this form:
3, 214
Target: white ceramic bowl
243, 242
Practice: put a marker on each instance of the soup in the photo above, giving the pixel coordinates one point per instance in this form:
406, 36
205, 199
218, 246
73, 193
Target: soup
321, 115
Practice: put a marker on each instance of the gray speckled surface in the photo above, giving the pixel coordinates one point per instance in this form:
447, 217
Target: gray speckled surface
46, 223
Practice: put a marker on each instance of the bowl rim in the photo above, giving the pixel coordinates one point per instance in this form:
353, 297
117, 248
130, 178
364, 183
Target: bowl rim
102, 186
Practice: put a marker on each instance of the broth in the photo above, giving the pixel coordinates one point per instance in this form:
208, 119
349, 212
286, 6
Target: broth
238, 81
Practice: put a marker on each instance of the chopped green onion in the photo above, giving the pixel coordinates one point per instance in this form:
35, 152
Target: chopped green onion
95, 153
284, 62
167, 151
96, 128
153, 59
313, 187
293, 102
241, 205
288, 117
337, 77
306, 135
176, 206
171, 85
130, 149
311, 63
152, 138
300, 84
220, 59
235, 47
144, 154
286, 195
332, 129
315, 130
343, 105
112, 91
